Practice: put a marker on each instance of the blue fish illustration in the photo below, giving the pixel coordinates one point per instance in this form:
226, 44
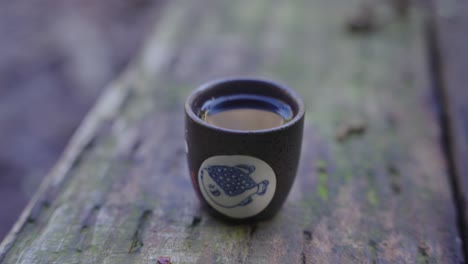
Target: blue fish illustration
230, 187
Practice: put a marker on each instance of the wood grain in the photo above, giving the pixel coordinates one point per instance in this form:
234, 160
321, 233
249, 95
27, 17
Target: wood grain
376, 193
450, 22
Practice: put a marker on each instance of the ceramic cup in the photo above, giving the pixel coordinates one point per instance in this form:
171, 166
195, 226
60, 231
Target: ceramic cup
243, 175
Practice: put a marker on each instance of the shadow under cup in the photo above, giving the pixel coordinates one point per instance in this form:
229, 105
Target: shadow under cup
243, 175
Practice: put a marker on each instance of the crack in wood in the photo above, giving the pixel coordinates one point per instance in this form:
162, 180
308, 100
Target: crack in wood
373, 251
307, 234
307, 239
136, 146
401, 7
196, 221
90, 218
92, 142
127, 99
364, 21
84, 236
253, 229
395, 184
137, 242
423, 256
37, 210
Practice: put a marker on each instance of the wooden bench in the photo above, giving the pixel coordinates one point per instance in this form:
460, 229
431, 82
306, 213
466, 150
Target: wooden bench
384, 85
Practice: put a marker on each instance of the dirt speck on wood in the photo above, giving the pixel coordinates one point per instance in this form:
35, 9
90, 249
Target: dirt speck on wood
363, 21
353, 128
164, 260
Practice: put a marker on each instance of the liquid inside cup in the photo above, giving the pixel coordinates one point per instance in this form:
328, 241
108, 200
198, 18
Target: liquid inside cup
246, 112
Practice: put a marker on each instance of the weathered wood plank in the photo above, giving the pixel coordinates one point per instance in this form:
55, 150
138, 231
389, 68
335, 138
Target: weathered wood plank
451, 40
379, 194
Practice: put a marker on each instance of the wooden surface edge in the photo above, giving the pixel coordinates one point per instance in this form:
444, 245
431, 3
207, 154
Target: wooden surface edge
107, 105
449, 22
112, 99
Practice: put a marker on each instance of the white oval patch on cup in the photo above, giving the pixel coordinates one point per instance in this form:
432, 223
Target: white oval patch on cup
237, 186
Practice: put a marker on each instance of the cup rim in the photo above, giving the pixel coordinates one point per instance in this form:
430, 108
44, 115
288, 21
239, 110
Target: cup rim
215, 83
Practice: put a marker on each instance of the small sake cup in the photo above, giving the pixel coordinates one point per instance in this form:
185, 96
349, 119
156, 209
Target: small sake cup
243, 175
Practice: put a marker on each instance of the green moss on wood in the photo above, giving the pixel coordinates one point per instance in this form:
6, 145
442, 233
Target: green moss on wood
322, 188
372, 197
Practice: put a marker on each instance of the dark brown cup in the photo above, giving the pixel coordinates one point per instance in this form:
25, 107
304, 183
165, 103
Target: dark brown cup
238, 175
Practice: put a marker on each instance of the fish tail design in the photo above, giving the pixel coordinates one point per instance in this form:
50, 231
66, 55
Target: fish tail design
262, 187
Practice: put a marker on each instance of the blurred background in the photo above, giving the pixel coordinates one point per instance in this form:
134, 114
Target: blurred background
55, 58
